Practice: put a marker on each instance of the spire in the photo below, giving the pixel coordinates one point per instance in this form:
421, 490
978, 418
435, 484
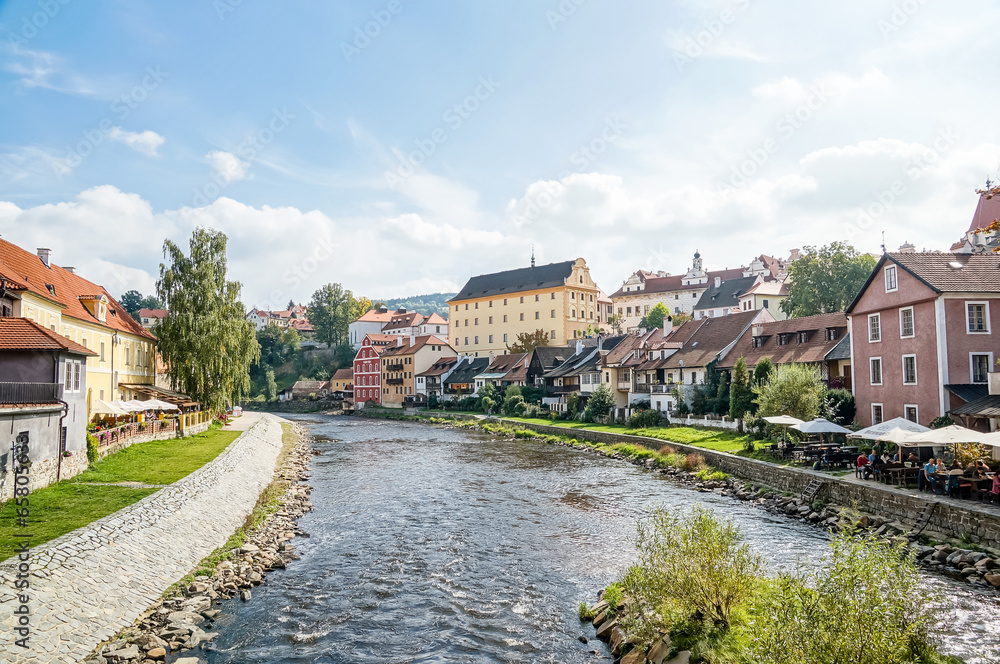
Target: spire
532, 255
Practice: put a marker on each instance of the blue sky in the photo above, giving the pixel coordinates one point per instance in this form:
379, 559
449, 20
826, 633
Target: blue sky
453, 136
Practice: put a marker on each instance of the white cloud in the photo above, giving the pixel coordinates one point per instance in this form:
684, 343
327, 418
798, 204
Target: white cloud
146, 142
42, 69
228, 164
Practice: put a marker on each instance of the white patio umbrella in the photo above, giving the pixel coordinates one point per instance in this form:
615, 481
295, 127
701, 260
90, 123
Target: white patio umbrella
943, 436
139, 406
157, 404
820, 425
992, 439
101, 406
891, 431
127, 406
782, 419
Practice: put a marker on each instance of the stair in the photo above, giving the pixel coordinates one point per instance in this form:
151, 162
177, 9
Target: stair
923, 519
812, 490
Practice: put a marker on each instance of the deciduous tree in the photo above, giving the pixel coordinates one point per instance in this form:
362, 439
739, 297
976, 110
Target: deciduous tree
529, 341
826, 279
600, 404
655, 316
794, 389
206, 342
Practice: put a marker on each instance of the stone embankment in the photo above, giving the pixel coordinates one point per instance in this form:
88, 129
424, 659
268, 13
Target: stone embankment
182, 621
608, 630
97, 580
978, 568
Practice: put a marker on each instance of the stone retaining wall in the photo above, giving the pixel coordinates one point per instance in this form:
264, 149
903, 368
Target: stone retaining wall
952, 519
89, 584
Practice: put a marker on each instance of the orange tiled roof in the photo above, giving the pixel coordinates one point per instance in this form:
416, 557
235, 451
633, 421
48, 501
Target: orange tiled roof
24, 334
153, 313
24, 271
419, 342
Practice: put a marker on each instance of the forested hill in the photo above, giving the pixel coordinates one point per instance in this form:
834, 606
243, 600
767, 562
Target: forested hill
425, 304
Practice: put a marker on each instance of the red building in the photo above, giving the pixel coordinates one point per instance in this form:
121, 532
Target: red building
922, 334
368, 368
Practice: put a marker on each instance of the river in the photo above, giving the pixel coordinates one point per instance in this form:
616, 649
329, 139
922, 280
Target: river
431, 544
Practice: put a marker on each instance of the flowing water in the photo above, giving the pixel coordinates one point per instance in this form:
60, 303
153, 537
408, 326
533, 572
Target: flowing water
441, 545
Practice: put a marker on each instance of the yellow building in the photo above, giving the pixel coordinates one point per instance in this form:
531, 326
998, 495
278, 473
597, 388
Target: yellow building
491, 310
56, 297
402, 361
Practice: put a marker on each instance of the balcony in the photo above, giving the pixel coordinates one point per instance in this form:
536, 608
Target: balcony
393, 381
661, 389
625, 385
642, 388
21, 393
394, 367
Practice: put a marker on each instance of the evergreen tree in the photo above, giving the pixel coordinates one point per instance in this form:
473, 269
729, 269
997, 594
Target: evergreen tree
740, 394
270, 387
206, 343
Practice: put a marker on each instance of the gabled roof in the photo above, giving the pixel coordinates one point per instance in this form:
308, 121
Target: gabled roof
440, 367
400, 321
153, 313
842, 351
516, 281
24, 271
552, 356
435, 319
21, 334
711, 338
777, 288
467, 371
814, 349
343, 374
502, 364
419, 342
943, 272
988, 406
376, 316
587, 360
654, 284
726, 294
309, 384
969, 392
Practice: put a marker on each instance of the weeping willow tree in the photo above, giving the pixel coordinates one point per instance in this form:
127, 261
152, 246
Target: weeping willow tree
206, 342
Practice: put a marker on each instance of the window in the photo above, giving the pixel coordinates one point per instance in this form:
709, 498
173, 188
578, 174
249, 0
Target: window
522, 316
981, 364
522, 299
102, 351
538, 315
978, 314
467, 322
476, 321
876, 413
466, 306
906, 322
553, 334
467, 341
128, 354
910, 412
491, 304
491, 338
677, 296
505, 338
68, 376
505, 318
477, 305
572, 295
909, 370
553, 315
890, 278
875, 365
874, 328
505, 302
491, 320
553, 296
783, 339
832, 333
477, 340
537, 296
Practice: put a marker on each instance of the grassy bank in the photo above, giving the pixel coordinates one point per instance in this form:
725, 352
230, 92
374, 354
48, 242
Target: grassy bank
74, 503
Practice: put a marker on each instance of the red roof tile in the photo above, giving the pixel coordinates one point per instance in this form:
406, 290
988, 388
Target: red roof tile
24, 334
25, 271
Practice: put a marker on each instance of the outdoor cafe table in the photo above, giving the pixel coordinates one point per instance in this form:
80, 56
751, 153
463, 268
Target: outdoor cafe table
901, 476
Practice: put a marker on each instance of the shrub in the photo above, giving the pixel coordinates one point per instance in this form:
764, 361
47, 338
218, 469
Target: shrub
840, 406
708, 475
613, 595
514, 406
585, 612
667, 450
645, 419
92, 449
696, 563
693, 462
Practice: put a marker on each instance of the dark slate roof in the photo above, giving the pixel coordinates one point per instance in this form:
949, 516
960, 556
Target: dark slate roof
988, 406
515, 281
842, 351
712, 337
467, 371
944, 272
553, 356
969, 392
726, 294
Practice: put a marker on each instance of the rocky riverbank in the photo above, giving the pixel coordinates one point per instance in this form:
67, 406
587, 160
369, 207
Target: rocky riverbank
980, 569
181, 622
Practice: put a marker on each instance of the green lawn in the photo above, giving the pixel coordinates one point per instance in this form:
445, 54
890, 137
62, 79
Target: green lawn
66, 506
160, 461
61, 508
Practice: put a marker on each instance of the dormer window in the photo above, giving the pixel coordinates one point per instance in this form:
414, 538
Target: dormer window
783, 339
758, 342
804, 336
51, 289
832, 333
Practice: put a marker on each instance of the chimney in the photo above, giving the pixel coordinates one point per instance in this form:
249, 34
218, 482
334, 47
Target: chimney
718, 281
413, 340
70, 269
600, 343
401, 310
579, 346
44, 255
399, 341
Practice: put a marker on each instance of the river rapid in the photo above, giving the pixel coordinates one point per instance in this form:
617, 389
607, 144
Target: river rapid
432, 544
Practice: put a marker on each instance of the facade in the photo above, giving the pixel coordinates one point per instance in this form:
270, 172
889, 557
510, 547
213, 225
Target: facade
431, 382
341, 381
722, 297
43, 394
810, 340
765, 295
461, 380
402, 361
679, 293
505, 370
561, 299
57, 298
368, 368
294, 317
582, 373
922, 331
371, 322
148, 317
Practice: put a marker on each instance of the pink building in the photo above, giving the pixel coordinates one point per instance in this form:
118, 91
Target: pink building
922, 334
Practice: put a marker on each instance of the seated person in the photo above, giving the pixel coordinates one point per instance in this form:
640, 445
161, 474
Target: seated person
913, 458
972, 470
895, 457
925, 478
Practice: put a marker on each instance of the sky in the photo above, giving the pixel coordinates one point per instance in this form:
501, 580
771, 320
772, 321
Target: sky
399, 147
